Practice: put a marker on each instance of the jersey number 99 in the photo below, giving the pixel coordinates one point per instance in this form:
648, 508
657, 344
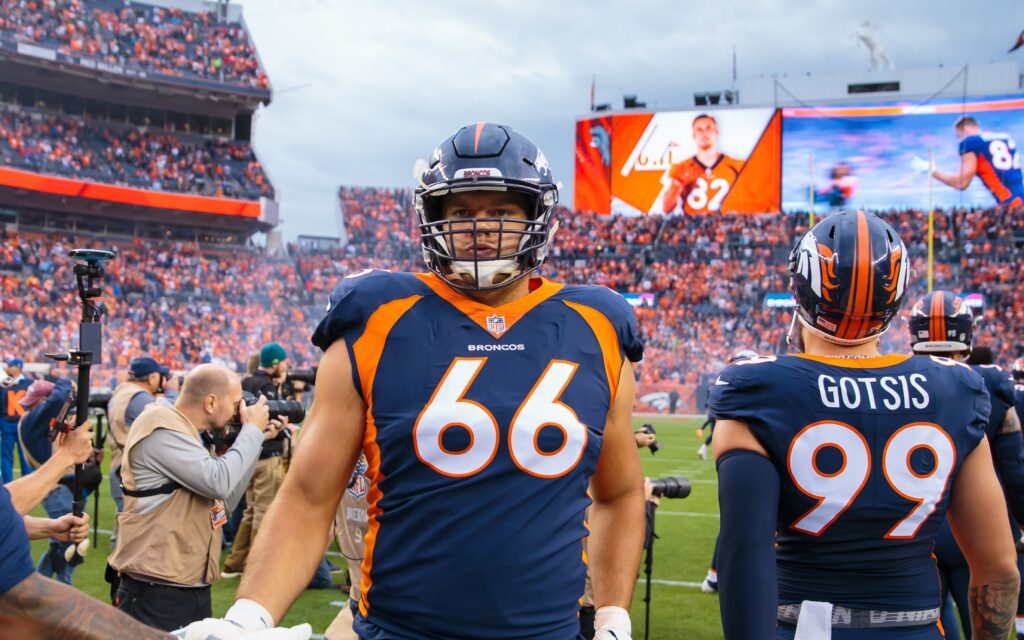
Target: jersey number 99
836, 491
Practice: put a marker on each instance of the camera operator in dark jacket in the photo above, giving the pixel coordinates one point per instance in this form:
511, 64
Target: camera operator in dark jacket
266, 381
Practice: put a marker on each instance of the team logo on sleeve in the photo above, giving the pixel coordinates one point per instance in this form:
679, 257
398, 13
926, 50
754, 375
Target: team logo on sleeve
496, 325
816, 263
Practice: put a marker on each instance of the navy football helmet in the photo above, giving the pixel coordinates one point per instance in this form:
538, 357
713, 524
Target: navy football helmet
941, 322
485, 157
849, 276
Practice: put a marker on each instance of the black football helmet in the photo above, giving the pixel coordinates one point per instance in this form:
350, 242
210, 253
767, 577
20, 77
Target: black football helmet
489, 157
849, 276
941, 322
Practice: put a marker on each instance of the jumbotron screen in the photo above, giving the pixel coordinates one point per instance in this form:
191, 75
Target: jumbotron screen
875, 156
693, 162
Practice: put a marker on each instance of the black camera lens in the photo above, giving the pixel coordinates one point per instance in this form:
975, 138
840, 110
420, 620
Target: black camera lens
290, 409
302, 375
670, 487
99, 400
655, 445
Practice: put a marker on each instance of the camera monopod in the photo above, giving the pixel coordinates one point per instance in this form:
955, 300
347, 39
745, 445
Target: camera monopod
89, 276
667, 487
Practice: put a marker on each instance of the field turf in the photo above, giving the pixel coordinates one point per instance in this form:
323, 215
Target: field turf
686, 529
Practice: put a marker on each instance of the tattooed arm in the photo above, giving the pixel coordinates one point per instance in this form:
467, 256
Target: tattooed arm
42, 608
977, 514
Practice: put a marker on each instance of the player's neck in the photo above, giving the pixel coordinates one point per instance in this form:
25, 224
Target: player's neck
708, 157
815, 345
501, 295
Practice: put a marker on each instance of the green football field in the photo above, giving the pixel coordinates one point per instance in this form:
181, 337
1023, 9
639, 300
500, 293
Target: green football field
686, 530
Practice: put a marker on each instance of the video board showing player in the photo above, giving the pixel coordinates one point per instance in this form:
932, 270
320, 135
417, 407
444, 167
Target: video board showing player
876, 156
682, 162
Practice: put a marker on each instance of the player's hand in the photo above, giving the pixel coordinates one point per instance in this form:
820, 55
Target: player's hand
217, 629
70, 528
256, 414
920, 165
612, 623
76, 445
245, 619
643, 439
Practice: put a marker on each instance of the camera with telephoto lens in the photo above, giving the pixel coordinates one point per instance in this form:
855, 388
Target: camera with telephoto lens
303, 375
99, 400
655, 445
290, 409
670, 487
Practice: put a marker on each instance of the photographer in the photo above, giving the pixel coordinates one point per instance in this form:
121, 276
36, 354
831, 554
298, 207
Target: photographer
146, 379
168, 550
265, 382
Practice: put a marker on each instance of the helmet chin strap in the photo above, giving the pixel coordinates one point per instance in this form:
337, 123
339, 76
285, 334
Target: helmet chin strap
794, 337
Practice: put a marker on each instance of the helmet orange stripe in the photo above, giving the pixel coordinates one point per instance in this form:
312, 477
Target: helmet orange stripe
476, 138
942, 315
866, 262
934, 312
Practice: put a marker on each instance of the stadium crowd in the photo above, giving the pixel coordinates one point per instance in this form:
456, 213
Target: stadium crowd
69, 146
163, 40
704, 283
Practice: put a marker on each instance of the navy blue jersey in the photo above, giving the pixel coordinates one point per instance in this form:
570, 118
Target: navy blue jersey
16, 559
866, 450
998, 164
484, 426
999, 384
1018, 395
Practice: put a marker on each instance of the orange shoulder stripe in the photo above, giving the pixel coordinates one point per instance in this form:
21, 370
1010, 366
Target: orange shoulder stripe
367, 350
606, 336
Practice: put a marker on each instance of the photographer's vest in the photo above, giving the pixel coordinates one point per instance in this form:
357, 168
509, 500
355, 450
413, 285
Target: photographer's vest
176, 542
118, 407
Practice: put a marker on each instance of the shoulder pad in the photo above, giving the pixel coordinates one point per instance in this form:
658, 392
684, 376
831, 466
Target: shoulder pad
737, 392
613, 306
355, 299
998, 382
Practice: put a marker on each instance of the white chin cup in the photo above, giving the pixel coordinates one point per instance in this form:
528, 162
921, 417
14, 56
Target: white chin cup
485, 273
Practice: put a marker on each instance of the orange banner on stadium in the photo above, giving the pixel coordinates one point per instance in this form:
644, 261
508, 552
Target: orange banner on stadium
18, 179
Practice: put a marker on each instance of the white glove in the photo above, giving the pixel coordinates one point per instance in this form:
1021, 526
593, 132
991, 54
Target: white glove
612, 623
920, 165
245, 619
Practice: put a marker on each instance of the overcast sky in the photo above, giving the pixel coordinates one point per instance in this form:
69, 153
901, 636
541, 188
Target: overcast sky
362, 89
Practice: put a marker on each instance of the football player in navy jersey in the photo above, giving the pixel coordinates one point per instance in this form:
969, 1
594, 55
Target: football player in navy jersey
837, 465
941, 324
487, 401
991, 156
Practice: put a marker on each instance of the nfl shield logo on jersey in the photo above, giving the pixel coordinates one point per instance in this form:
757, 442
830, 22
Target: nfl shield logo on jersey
496, 325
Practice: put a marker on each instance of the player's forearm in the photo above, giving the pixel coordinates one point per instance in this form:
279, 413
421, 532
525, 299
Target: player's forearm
953, 180
614, 547
993, 605
291, 542
53, 610
28, 491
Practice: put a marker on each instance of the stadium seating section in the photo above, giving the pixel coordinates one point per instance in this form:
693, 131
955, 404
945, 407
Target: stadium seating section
69, 146
152, 39
708, 277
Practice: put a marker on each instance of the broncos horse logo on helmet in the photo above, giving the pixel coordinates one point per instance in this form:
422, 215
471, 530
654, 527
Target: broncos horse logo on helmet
849, 276
941, 322
489, 157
